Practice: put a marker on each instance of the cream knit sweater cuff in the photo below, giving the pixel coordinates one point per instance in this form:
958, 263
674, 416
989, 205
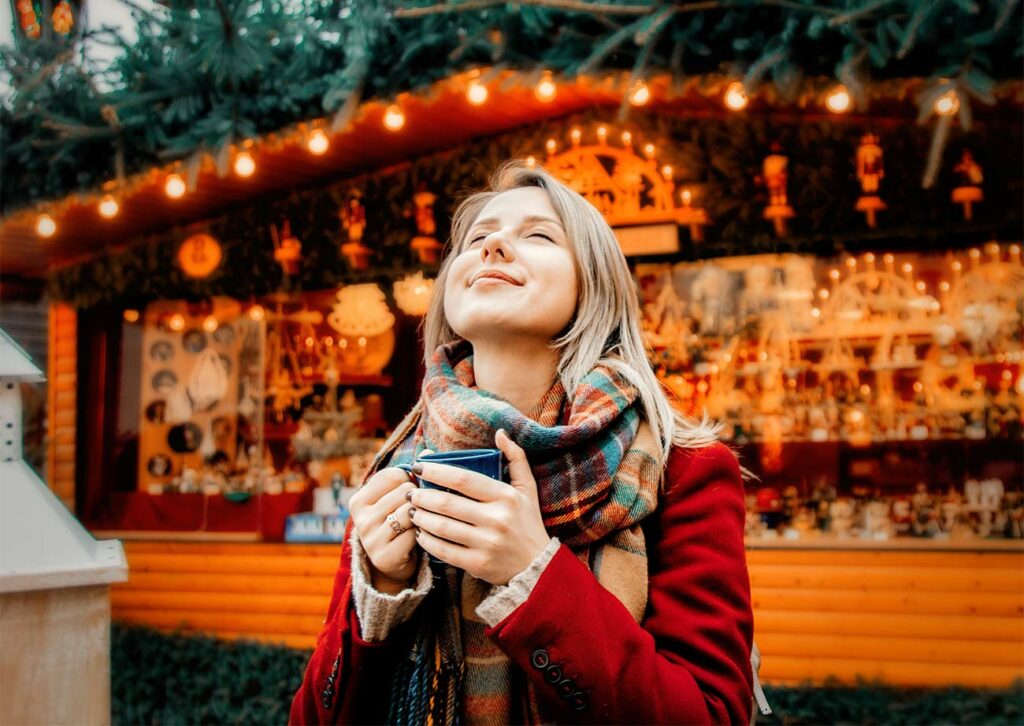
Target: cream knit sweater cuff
379, 612
503, 599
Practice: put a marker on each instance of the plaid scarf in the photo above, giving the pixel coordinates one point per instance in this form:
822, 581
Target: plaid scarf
595, 464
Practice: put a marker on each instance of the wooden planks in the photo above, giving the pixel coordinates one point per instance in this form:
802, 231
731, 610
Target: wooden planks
62, 401
907, 618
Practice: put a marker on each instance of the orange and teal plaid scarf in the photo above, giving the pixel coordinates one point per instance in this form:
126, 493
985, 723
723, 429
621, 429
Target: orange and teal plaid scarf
595, 463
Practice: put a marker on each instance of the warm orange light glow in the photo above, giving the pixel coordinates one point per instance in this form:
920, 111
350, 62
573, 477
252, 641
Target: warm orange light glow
131, 315
394, 118
318, 142
947, 104
176, 322
45, 225
174, 186
256, 312
838, 100
245, 165
108, 207
640, 94
736, 97
546, 89
209, 324
476, 93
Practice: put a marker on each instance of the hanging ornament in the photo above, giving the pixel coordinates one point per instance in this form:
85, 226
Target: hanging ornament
28, 20
199, 255
366, 329
287, 248
870, 173
412, 293
62, 18
969, 191
775, 178
353, 221
426, 245
208, 382
693, 217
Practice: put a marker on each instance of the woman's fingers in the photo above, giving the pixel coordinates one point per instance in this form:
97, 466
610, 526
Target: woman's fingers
468, 483
450, 529
389, 503
451, 505
379, 485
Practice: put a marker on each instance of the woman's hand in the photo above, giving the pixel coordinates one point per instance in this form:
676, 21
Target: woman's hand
493, 538
391, 559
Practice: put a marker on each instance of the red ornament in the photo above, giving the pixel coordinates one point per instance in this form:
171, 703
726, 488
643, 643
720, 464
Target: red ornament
62, 18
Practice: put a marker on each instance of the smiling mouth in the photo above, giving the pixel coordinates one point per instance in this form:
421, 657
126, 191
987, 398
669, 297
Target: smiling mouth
494, 278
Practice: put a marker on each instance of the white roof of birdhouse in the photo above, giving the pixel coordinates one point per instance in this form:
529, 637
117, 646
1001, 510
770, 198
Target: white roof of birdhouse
15, 362
42, 545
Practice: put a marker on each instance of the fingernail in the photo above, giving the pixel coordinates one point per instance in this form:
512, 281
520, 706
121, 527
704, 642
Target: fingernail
417, 469
408, 496
412, 512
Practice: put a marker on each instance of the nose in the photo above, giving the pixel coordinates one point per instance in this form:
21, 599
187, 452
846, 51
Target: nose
496, 246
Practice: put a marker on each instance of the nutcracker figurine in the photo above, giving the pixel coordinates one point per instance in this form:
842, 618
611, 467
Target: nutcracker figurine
353, 221
870, 172
425, 243
969, 192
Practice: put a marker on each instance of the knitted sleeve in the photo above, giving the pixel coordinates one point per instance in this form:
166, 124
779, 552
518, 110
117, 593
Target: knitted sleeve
503, 599
379, 612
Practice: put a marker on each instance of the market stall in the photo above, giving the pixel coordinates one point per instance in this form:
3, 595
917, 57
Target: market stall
833, 272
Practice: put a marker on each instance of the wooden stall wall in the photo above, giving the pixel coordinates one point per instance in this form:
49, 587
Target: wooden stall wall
908, 618
62, 367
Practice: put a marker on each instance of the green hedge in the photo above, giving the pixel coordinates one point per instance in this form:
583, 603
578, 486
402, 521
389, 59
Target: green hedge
175, 679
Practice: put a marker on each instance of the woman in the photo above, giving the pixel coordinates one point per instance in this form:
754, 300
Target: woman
607, 581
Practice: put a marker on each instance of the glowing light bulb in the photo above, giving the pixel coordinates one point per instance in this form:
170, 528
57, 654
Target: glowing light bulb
686, 197
476, 93
576, 135
394, 118
176, 322
947, 104
174, 186
627, 138
131, 316
736, 97
640, 94
546, 89
838, 100
45, 225
245, 165
108, 207
649, 151
318, 142
602, 134
209, 324
256, 312
551, 145
531, 161
666, 171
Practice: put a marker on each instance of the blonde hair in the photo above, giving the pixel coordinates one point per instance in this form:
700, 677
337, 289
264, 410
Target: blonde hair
606, 327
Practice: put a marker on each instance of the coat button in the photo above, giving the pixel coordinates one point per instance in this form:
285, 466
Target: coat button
553, 673
540, 658
579, 700
566, 688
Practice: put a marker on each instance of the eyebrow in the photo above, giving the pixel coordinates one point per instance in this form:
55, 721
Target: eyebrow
530, 219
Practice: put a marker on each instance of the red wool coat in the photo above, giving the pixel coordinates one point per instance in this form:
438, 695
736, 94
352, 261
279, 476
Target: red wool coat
687, 662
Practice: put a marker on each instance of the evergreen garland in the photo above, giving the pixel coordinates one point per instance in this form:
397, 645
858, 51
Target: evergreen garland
719, 158
205, 74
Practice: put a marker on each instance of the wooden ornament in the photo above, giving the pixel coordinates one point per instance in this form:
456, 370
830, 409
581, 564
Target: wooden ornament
969, 192
775, 178
287, 248
870, 172
353, 221
424, 243
199, 255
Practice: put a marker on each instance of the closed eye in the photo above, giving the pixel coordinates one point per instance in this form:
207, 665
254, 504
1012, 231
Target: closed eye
541, 234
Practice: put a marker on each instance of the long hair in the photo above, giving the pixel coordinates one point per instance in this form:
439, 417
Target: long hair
606, 326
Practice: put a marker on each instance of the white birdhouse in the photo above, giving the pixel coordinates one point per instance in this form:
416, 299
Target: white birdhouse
54, 583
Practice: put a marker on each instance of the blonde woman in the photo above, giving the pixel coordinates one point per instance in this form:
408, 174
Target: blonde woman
607, 581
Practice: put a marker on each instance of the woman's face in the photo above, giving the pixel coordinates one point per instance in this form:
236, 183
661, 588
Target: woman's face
514, 274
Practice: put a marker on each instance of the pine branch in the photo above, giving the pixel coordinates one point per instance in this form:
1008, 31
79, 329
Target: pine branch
569, 5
